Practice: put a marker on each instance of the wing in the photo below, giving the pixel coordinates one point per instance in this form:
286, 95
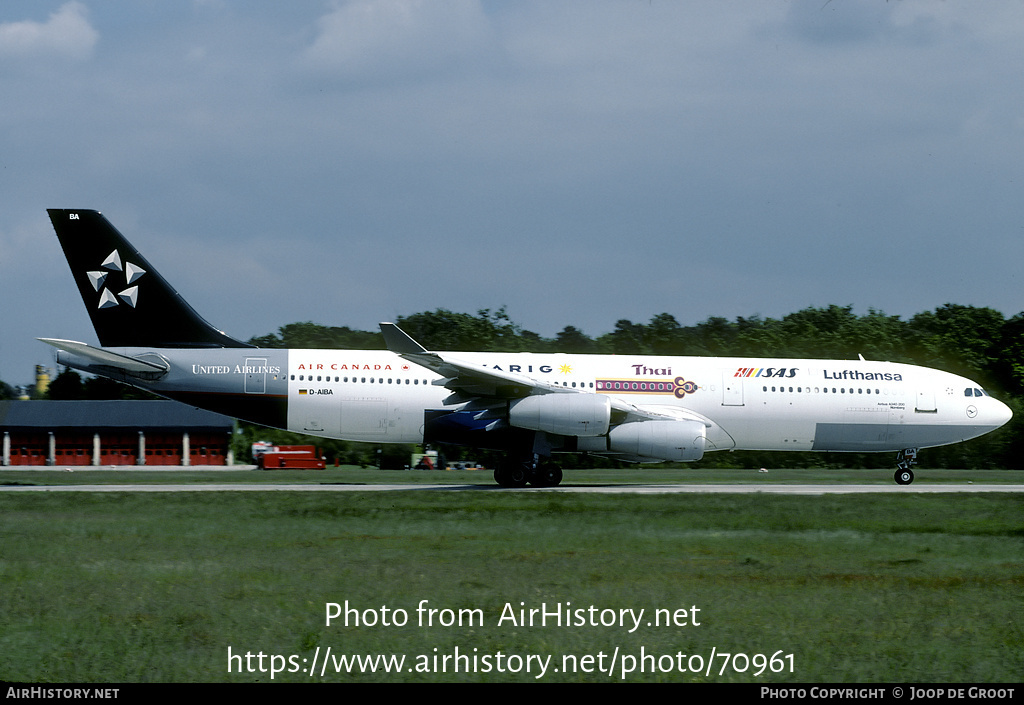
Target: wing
587, 421
492, 392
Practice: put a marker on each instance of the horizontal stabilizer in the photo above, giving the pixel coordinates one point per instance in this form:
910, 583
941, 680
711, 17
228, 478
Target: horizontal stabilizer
105, 357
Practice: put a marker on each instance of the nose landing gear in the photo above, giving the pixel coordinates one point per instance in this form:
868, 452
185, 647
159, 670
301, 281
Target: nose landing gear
905, 460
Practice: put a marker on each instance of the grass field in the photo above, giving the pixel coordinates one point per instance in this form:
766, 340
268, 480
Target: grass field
125, 587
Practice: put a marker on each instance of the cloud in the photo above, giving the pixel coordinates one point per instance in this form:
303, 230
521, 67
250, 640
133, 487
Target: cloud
67, 32
839, 22
396, 36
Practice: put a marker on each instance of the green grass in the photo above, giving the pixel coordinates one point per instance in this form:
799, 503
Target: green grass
124, 587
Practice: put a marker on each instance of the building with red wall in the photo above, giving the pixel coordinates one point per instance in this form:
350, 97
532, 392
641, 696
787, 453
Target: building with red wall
76, 433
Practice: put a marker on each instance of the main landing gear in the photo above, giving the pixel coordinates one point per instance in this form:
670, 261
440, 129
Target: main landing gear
519, 473
905, 460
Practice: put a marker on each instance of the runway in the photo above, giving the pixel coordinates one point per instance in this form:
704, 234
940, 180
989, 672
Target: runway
584, 489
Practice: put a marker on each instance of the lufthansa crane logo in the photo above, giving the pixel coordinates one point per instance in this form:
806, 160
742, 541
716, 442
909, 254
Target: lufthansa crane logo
108, 279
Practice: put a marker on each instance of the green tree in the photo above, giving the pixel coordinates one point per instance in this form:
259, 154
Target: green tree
444, 330
628, 338
960, 339
311, 335
491, 331
572, 340
1008, 368
664, 335
66, 385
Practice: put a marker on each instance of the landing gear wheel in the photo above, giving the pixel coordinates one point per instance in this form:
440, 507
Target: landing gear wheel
547, 475
905, 459
511, 474
904, 476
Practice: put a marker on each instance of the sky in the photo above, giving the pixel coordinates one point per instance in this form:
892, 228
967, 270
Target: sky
577, 163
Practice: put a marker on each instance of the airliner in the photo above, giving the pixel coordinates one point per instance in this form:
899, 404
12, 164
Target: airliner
528, 406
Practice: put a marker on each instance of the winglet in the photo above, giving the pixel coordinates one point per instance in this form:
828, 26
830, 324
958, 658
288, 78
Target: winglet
400, 342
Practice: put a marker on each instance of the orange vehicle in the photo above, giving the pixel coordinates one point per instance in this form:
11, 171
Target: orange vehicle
290, 457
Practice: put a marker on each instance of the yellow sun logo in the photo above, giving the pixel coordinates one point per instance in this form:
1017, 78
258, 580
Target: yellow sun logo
565, 369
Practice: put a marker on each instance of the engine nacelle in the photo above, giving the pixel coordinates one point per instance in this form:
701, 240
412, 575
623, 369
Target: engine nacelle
682, 441
563, 414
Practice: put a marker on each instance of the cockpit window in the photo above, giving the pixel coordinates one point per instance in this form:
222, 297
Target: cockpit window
975, 392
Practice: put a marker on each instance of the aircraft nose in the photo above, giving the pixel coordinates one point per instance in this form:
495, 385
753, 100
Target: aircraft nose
999, 414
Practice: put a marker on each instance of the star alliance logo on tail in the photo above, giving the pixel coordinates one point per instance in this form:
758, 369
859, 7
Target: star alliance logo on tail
132, 273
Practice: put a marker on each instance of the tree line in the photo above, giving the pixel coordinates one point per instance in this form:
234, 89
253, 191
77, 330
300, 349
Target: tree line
978, 343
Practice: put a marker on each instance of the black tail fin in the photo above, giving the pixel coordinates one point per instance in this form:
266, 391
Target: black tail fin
130, 304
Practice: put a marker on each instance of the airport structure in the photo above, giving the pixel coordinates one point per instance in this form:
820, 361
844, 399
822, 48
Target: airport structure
97, 433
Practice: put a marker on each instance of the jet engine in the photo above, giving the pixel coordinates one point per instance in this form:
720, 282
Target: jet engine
563, 414
681, 441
